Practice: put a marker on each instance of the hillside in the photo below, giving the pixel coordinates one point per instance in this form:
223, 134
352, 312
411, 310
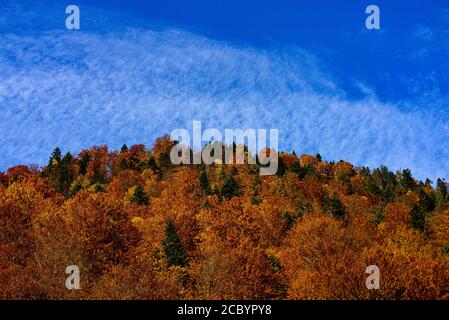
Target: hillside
139, 227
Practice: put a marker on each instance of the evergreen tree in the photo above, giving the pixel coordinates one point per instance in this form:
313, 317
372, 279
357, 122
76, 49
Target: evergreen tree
173, 248
382, 184
230, 188
55, 158
139, 196
97, 177
151, 163
417, 218
442, 188
84, 163
337, 207
332, 205
123, 165
406, 180
60, 172
65, 174
426, 201
281, 168
204, 183
318, 156
365, 171
124, 148
441, 194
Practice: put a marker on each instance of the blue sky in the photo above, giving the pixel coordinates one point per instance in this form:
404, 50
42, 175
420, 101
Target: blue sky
138, 69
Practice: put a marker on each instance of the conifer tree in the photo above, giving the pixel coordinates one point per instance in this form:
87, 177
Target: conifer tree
426, 201
65, 174
337, 207
417, 218
407, 182
173, 248
83, 163
55, 158
139, 196
204, 183
230, 188
332, 205
442, 188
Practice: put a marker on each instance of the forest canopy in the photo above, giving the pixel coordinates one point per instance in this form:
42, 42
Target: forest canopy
139, 227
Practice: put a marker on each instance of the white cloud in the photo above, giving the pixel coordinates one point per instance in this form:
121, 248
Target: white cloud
78, 89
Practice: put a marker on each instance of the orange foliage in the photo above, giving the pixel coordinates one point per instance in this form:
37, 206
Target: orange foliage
308, 232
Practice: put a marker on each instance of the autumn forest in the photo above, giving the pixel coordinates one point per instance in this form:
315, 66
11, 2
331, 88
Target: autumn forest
139, 227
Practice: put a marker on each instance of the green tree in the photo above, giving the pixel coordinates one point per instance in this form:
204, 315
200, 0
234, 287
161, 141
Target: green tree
442, 187
382, 184
417, 217
230, 188
65, 174
204, 183
84, 163
139, 196
441, 196
406, 180
332, 205
60, 171
427, 201
173, 248
55, 158
338, 210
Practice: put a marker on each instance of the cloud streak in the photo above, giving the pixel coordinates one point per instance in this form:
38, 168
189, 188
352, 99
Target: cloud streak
78, 89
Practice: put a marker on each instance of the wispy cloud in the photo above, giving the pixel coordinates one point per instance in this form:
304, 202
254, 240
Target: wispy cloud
77, 89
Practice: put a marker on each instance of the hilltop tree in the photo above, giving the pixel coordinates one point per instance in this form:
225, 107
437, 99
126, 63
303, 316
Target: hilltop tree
382, 184
406, 180
55, 158
66, 174
442, 188
441, 194
84, 162
60, 171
